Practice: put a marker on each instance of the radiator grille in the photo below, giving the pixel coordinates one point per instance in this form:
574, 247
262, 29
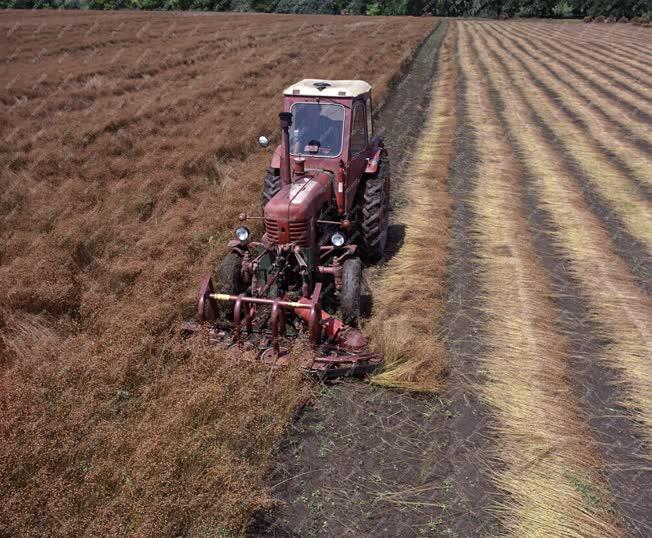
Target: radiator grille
298, 231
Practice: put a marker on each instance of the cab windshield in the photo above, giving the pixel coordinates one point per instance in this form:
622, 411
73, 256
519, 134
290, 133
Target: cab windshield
317, 129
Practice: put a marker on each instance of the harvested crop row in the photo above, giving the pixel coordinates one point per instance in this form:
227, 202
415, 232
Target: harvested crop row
542, 440
597, 65
566, 96
623, 196
408, 299
621, 68
617, 304
599, 103
627, 101
605, 62
604, 38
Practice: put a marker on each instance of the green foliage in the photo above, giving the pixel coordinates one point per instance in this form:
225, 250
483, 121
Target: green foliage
374, 9
442, 8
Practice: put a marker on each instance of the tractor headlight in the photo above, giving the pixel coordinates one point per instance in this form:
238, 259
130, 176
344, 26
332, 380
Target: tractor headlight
338, 239
242, 233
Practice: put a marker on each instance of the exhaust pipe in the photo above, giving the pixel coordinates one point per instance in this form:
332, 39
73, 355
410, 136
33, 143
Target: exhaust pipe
286, 122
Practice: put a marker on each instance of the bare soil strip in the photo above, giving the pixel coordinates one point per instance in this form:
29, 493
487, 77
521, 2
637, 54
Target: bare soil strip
541, 439
468, 435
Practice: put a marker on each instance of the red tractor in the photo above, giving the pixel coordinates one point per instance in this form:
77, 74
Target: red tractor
325, 209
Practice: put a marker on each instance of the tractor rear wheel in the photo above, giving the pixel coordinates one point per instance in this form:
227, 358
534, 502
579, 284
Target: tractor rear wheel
375, 213
350, 292
271, 185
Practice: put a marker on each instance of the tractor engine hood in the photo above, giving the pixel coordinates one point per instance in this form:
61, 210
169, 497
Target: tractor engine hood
290, 216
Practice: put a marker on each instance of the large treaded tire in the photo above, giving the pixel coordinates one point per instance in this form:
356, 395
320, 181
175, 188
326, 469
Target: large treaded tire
351, 290
230, 273
375, 213
271, 185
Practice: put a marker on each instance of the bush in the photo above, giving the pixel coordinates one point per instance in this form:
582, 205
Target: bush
588, 19
503, 16
599, 18
623, 20
611, 20
373, 10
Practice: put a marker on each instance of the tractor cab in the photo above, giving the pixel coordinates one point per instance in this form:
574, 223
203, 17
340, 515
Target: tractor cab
331, 129
330, 120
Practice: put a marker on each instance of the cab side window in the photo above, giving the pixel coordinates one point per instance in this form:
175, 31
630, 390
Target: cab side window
358, 129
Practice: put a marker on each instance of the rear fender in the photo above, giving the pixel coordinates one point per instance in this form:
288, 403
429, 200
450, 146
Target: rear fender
374, 161
276, 158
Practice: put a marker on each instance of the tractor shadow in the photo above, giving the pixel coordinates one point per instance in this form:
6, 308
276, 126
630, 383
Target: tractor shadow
395, 240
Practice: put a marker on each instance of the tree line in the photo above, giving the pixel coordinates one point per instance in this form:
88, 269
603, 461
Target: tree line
441, 8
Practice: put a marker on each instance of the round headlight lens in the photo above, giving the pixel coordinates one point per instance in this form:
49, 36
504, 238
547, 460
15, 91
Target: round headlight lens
242, 233
337, 239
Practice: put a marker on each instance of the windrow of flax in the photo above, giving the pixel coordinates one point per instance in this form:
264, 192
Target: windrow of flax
542, 443
619, 51
408, 297
554, 92
606, 179
617, 305
559, 66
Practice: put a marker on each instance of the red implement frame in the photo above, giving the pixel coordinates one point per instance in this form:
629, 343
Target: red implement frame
341, 350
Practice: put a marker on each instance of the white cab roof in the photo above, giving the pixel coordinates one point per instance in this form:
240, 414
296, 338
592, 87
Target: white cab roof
328, 88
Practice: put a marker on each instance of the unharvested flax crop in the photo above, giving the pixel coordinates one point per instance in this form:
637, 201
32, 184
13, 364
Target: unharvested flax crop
126, 154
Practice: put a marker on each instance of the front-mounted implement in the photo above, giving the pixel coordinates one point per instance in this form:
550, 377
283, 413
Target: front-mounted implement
325, 204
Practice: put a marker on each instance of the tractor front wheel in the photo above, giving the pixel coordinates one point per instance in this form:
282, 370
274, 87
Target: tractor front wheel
375, 213
350, 291
230, 273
